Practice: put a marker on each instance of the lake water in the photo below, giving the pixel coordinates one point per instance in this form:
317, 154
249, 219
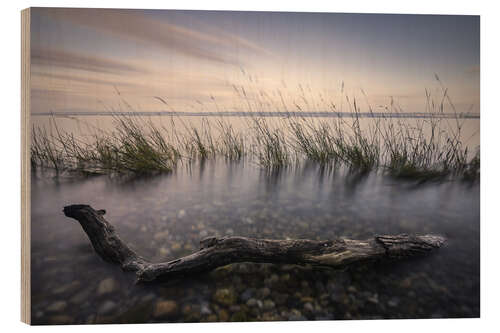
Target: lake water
164, 217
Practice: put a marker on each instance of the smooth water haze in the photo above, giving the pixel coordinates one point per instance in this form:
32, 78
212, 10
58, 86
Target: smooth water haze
164, 217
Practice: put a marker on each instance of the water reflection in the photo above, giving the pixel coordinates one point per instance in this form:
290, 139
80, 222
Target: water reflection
164, 217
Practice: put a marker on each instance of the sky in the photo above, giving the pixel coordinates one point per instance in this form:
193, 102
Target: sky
165, 60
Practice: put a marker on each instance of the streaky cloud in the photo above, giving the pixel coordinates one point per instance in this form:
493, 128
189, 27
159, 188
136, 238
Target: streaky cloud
212, 46
83, 79
73, 60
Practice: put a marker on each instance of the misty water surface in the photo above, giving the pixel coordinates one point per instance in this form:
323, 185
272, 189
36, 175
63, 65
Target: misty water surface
164, 217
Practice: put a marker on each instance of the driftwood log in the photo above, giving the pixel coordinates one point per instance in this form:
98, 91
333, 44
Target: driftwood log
215, 252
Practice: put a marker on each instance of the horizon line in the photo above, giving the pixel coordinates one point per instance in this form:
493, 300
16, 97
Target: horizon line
282, 114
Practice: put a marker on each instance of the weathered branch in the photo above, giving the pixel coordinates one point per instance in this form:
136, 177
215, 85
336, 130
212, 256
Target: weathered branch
215, 252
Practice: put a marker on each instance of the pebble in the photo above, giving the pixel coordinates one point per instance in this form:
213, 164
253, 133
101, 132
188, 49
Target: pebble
148, 297
252, 302
224, 296
393, 302
296, 315
67, 287
164, 251
285, 277
80, 297
187, 310
223, 315
57, 306
166, 308
280, 299
107, 307
247, 294
205, 309
163, 235
239, 316
264, 292
106, 286
234, 308
272, 280
307, 300
308, 307
373, 299
268, 304
211, 318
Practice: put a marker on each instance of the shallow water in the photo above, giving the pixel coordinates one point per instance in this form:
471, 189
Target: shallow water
164, 217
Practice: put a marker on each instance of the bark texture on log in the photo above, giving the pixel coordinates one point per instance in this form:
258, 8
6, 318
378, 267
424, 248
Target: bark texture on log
215, 252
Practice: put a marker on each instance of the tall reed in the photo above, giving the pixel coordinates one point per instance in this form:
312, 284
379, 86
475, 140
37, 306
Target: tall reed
428, 148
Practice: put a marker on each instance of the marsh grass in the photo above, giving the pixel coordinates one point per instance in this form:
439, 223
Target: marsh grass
231, 145
424, 149
199, 142
132, 147
430, 149
271, 147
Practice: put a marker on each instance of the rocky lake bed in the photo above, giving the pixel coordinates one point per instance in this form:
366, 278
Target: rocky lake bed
165, 217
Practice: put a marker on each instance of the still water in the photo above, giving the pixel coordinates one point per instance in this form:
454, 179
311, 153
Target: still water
164, 217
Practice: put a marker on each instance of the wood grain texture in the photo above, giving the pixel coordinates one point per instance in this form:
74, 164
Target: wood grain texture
215, 252
25, 166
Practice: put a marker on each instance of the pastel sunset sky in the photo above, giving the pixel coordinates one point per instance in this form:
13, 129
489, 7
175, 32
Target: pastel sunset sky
94, 59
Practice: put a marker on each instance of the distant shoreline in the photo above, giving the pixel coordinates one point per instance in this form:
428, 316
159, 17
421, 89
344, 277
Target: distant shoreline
322, 114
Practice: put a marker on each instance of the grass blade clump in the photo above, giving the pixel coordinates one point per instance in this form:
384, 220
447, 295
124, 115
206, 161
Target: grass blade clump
138, 149
132, 147
231, 144
271, 147
315, 142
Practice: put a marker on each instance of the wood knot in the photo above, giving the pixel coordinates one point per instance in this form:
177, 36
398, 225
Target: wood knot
208, 242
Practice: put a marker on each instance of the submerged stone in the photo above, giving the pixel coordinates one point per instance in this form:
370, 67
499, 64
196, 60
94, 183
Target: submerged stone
181, 214
106, 286
107, 307
224, 296
205, 309
223, 315
239, 316
166, 309
246, 295
57, 306
268, 304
